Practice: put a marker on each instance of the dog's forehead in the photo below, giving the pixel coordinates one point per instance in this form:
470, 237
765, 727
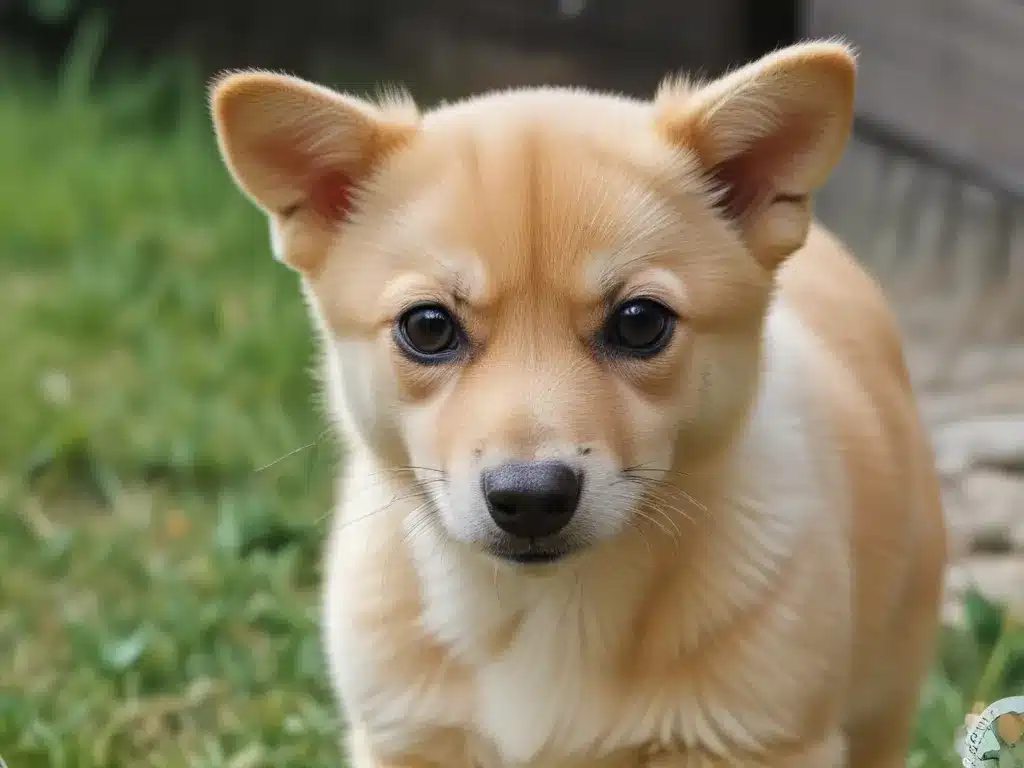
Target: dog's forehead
536, 203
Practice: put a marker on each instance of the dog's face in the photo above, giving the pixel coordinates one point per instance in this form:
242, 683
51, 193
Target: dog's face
542, 302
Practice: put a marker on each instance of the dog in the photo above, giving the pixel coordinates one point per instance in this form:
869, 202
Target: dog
635, 474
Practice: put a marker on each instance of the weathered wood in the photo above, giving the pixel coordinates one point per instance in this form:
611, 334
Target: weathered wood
708, 35
454, 47
946, 72
950, 256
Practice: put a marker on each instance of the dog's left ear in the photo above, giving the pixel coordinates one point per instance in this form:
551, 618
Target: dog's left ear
768, 134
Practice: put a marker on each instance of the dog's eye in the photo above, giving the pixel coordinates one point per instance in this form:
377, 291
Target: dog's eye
427, 333
639, 328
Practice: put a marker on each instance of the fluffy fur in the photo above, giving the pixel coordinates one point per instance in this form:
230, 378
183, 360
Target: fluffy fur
760, 540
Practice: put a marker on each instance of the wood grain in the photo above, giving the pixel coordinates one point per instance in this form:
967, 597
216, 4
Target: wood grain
948, 72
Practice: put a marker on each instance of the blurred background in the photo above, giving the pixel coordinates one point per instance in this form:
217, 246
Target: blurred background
164, 469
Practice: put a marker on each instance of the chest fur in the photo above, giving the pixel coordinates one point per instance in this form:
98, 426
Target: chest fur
560, 693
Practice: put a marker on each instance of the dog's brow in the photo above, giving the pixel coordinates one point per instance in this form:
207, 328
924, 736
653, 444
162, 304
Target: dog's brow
609, 270
458, 288
454, 280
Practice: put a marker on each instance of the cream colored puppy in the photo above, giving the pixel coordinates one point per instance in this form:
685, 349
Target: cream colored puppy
635, 475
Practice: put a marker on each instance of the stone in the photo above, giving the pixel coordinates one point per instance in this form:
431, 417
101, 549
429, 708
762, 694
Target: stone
994, 510
995, 441
999, 578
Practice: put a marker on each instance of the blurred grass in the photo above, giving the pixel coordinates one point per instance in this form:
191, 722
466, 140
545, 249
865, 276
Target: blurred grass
158, 599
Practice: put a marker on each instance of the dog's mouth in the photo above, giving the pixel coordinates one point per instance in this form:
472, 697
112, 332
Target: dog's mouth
532, 554
532, 557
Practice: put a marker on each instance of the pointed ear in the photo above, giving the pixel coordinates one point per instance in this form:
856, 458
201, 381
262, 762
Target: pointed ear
300, 151
768, 135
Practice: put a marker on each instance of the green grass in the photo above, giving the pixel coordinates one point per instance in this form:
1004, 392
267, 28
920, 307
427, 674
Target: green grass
158, 600
157, 597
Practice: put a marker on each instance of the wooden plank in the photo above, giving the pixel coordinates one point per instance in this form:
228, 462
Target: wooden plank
711, 34
949, 73
455, 47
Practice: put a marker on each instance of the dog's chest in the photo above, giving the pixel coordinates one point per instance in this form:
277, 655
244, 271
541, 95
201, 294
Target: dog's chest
553, 698
545, 704
540, 693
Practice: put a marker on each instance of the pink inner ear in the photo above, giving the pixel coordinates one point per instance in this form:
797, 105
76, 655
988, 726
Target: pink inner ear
743, 185
328, 191
330, 195
752, 179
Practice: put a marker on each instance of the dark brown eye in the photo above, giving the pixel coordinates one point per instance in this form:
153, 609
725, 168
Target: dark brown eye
427, 333
639, 328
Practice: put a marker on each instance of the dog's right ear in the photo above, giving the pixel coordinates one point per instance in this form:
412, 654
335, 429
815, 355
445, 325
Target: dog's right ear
300, 151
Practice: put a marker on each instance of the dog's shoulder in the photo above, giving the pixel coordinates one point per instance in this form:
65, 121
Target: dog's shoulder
898, 534
836, 297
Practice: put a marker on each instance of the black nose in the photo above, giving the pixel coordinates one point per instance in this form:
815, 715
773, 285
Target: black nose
532, 498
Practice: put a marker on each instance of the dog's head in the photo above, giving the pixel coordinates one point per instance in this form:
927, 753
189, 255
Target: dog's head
543, 300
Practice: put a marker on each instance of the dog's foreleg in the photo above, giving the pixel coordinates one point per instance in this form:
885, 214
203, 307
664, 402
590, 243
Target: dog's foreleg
361, 754
829, 752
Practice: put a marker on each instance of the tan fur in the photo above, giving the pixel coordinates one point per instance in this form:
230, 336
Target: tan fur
766, 543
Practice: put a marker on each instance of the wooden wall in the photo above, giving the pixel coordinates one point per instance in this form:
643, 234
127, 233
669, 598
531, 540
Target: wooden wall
447, 47
947, 73
459, 46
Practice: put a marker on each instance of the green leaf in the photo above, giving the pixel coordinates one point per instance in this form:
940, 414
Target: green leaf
122, 654
985, 619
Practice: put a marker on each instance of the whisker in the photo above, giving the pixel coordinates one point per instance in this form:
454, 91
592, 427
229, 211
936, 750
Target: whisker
654, 505
418, 491
632, 523
420, 520
655, 490
413, 485
641, 513
497, 588
406, 468
664, 483
663, 505
300, 449
647, 468
654, 509
640, 532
